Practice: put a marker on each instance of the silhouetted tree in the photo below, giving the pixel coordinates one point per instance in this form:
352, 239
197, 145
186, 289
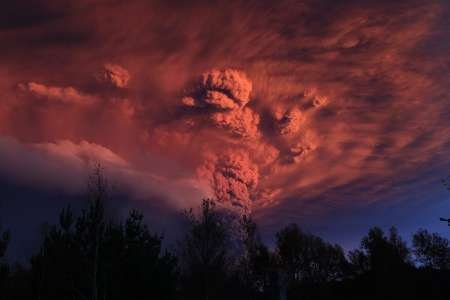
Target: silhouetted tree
383, 265
91, 257
205, 254
72, 248
133, 263
257, 268
4, 268
382, 253
57, 265
359, 261
431, 250
307, 260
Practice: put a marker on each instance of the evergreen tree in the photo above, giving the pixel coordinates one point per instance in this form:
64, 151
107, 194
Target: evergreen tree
258, 269
205, 254
93, 257
431, 250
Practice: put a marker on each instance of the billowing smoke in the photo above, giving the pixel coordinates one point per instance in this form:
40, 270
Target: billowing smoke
240, 122
302, 146
315, 98
222, 95
113, 75
220, 100
288, 123
66, 95
233, 178
229, 82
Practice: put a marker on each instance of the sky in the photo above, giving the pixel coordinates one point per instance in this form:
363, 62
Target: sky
330, 114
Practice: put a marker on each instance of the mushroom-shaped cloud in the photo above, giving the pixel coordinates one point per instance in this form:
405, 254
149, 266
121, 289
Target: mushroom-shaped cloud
221, 89
221, 95
232, 83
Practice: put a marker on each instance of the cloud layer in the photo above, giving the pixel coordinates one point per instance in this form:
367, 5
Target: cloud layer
257, 104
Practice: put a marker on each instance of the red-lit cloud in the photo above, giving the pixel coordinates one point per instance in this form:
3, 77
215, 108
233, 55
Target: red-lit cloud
65, 95
113, 75
253, 103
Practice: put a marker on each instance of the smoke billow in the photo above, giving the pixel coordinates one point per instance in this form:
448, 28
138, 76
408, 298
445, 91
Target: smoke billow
66, 95
233, 178
113, 75
219, 101
220, 97
289, 122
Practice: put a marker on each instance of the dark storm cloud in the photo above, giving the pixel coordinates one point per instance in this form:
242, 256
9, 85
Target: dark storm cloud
22, 14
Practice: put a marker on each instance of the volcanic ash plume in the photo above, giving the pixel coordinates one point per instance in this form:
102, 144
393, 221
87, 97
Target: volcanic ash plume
220, 89
240, 122
114, 75
315, 98
222, 95
289, 122
229, 82
219, 100
233, 178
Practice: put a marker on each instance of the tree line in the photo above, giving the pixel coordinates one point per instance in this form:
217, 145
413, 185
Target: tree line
220, 256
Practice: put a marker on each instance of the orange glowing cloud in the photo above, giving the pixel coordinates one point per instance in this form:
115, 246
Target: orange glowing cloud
254, 104
60, 94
